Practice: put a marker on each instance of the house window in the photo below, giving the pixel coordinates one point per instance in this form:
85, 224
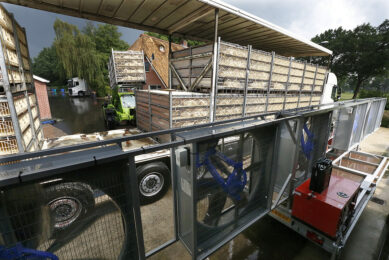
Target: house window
155, 86
147, 66
161, 48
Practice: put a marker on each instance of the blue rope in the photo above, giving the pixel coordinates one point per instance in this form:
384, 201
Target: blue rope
20, 252
235, 182
307, 147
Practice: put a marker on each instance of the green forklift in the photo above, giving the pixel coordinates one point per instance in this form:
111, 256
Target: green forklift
121, 109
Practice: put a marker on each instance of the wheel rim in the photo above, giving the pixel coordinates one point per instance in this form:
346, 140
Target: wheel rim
65, 211
151, 184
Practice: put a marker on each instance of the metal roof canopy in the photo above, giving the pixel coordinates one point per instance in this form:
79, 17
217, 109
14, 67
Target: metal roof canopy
192, 19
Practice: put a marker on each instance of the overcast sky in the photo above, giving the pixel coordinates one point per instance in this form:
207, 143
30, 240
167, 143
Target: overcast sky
302, 17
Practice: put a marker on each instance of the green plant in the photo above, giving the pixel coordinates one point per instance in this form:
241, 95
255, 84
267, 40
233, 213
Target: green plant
364, 93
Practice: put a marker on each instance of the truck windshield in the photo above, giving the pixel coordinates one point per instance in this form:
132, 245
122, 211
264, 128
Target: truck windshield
70, 83
128, 101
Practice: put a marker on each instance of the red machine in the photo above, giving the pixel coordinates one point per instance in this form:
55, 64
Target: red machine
329, 210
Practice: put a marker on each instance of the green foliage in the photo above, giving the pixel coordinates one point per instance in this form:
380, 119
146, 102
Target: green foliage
175, 39
46, 66
83, 54
364, 93
358, 55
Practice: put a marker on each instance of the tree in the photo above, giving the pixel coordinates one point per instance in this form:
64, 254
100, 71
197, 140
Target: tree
106, 37
46, 65
359, 54
85, 53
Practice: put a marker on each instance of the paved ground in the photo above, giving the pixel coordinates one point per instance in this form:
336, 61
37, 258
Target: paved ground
50, 131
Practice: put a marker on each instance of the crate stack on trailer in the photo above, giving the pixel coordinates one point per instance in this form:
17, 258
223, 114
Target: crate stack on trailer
126, 69
248, 82
20, 126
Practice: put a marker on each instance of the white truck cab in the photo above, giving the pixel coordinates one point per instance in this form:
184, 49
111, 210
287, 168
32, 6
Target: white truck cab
330, 90
78, 87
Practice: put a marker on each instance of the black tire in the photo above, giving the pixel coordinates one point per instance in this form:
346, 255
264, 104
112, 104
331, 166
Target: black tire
81, 94
69, 202
153, 181
110, 124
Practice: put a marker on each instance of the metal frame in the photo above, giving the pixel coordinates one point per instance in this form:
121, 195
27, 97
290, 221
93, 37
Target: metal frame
21, 71
215, 61
102, 152
367, 188
270, 78
246, 83
286, 42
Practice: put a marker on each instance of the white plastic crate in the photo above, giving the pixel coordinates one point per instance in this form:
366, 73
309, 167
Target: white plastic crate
12, 57
14, 77
37, 123
26, 63
32, 99
8, 146
5, 20
34, 112
40, 136
24, 121
8, 38
20, 104
24, 50
21, 35
4, 109
27, 136
6, 128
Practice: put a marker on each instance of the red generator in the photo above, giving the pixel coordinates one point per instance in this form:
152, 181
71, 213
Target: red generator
329, 210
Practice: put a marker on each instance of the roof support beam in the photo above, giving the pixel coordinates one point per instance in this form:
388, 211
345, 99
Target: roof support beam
215, 61
199, 13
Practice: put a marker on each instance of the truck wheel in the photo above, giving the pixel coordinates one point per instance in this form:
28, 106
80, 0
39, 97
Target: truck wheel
110, 124
81, 93
153, 182
68, 202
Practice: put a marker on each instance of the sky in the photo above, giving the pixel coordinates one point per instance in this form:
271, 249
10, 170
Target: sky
305, 18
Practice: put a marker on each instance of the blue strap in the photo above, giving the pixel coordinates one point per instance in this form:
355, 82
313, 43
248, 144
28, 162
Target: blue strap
235, 182
307, 147
20, 252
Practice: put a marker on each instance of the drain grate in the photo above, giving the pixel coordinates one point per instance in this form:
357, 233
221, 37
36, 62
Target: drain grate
378, 201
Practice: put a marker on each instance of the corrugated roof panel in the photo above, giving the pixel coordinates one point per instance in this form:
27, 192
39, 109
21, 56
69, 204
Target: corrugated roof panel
185, 17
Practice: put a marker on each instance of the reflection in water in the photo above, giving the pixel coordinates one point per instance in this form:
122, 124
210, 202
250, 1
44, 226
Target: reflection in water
77, 115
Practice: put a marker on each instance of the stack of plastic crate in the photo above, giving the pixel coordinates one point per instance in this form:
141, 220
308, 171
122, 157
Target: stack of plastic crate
20, 127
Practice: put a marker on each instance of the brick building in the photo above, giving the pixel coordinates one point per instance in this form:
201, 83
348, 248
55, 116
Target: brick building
42, 97
156, 60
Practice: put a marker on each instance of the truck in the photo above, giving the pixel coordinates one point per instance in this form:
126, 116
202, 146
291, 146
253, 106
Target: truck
248, 29
78, 87
121, 109
152, 170
126, 73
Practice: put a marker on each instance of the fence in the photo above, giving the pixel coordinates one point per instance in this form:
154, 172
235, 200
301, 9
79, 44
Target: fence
199, 210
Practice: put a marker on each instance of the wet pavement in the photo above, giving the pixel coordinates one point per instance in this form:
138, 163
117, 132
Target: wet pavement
77, 114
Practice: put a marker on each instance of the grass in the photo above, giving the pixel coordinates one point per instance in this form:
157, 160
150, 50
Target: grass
346, 96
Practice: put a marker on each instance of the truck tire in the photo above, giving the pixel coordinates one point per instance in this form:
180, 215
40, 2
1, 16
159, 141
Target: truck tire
69, 202
109, 123
81, 93
153, 181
